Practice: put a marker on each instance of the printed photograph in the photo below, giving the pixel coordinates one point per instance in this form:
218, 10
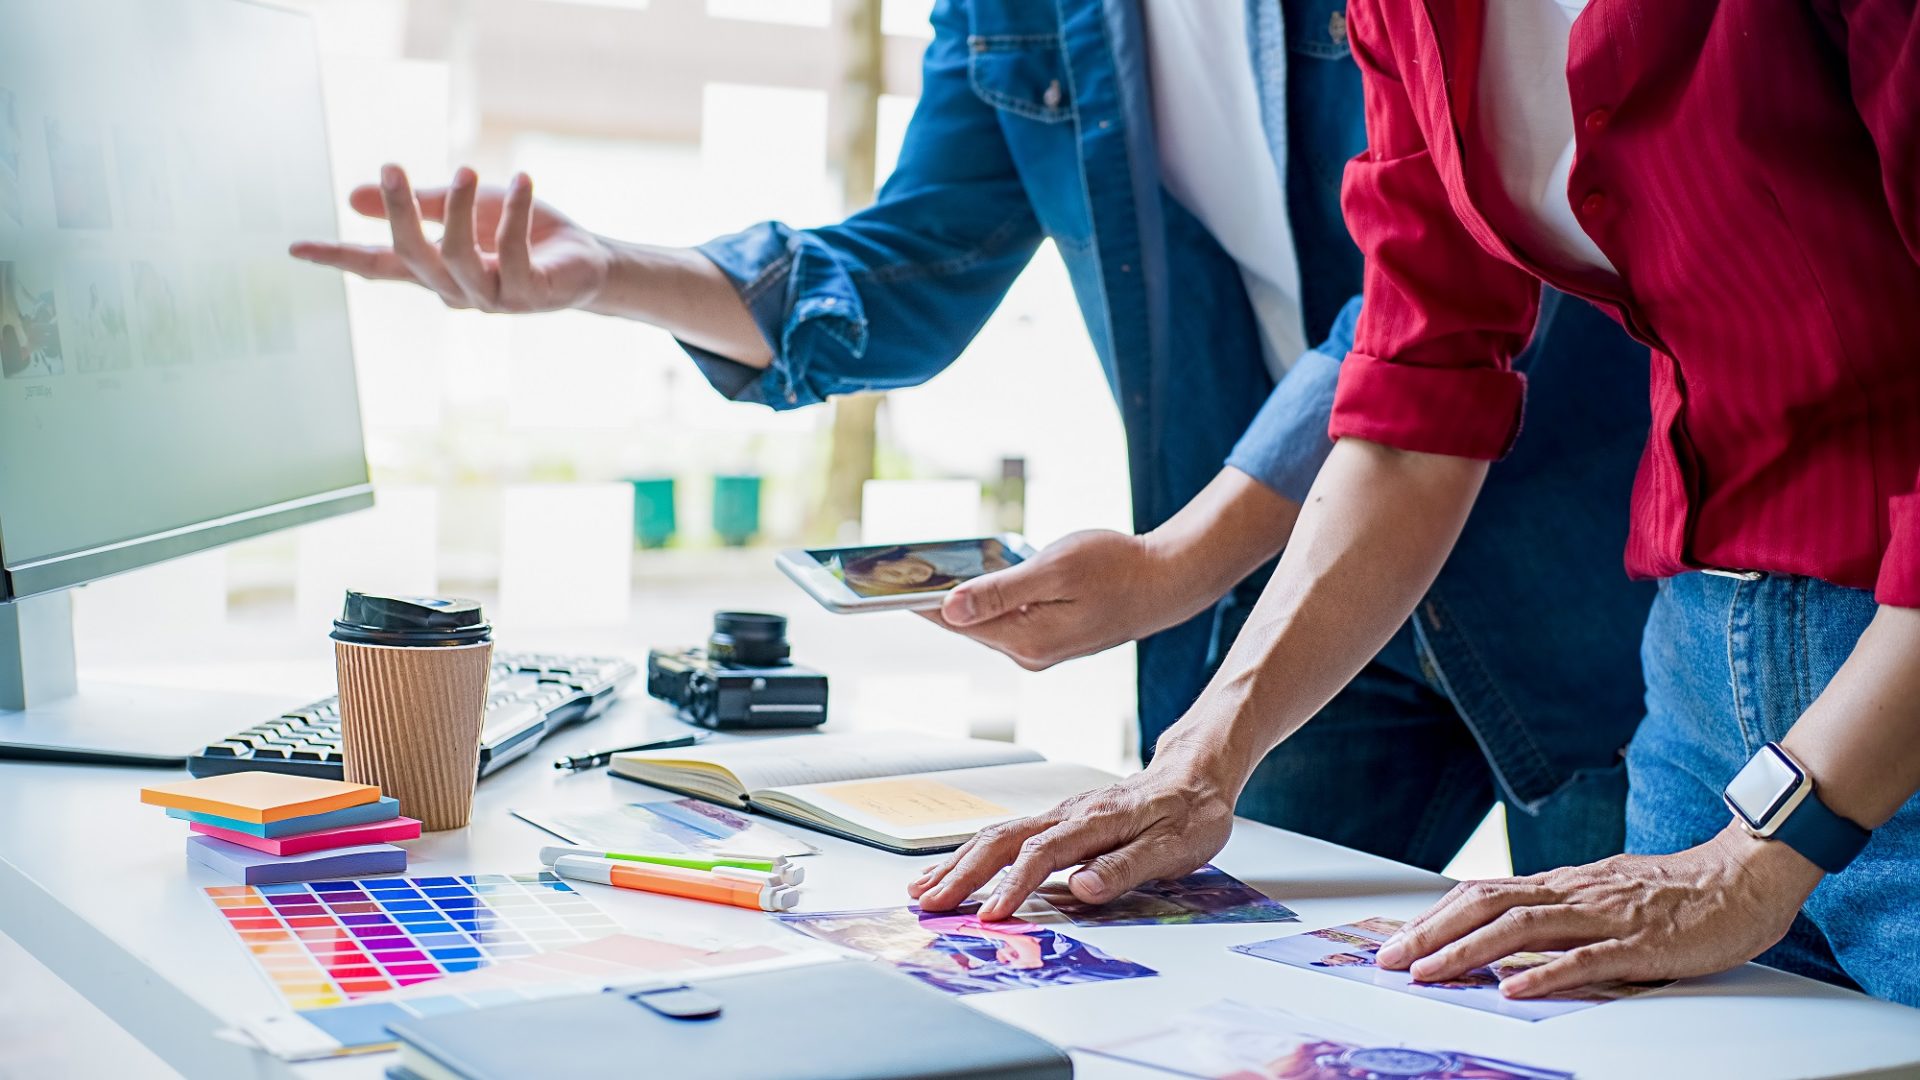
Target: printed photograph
145, 189
1229, 1040
1349, 952
899, 569
10, 144
221, 313
158, 318
77, 160
957, 953
269, 308
29, 325
98, 337
1208, 895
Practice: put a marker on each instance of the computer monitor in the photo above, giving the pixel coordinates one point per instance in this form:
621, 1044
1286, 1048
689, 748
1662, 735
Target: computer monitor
169, 379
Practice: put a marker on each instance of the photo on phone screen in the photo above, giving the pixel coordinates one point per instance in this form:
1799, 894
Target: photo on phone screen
900, 569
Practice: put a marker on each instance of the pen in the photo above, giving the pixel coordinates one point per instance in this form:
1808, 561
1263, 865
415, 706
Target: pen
592, 761
778, 870
676, 881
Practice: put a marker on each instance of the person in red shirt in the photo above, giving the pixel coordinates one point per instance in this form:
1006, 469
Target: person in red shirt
1738, 183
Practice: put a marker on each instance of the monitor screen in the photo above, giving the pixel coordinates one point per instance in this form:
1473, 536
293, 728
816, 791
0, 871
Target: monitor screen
163, 363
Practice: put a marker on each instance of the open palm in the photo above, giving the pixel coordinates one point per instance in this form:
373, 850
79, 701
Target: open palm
499, 249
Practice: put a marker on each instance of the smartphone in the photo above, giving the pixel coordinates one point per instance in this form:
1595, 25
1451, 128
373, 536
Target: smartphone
897, 577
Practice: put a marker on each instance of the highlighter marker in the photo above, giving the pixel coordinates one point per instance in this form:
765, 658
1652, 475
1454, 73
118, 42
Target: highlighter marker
783, 871
678, 881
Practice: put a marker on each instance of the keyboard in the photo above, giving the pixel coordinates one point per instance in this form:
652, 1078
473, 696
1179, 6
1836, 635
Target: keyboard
528, 695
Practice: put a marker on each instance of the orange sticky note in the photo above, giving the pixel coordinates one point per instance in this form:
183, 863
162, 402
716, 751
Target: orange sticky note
259, 797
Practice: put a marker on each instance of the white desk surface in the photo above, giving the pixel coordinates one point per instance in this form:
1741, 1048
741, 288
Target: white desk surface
97, 886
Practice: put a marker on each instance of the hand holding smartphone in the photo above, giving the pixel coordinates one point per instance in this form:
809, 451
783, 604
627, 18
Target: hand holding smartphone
898, 577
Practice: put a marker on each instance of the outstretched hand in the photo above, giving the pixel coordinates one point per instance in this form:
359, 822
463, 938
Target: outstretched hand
499, 250
1164, 822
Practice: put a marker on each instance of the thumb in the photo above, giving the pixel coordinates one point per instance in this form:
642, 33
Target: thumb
992, 595
1123, 869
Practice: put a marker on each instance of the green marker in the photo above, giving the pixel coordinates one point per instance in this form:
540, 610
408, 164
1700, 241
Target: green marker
778, 869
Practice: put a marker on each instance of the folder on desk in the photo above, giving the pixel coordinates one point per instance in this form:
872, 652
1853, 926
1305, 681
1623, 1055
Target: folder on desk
845, 1020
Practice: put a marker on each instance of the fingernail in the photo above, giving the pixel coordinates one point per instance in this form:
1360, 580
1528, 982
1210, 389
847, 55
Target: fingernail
1390, 954
960, 607
1089, 882
390, 177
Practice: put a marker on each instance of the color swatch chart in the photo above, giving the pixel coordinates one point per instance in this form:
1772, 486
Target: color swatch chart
323, 943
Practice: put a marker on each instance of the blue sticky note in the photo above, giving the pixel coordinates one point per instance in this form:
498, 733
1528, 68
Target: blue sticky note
382, 809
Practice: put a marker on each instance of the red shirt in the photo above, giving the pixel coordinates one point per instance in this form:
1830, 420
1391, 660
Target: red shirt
1752, 169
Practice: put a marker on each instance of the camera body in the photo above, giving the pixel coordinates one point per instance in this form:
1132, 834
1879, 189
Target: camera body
742, 680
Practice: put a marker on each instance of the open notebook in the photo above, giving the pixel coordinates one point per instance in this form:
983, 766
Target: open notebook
912, 794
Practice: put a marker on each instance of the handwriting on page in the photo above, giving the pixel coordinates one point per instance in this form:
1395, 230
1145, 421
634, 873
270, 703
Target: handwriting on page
914, 802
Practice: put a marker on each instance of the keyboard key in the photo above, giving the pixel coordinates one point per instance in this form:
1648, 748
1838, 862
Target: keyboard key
227, 749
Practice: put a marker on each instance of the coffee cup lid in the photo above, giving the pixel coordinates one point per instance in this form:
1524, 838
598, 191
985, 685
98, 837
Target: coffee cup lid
381, 619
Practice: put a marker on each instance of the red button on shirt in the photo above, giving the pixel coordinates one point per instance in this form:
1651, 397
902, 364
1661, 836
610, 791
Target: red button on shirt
1597, 120
1775, 255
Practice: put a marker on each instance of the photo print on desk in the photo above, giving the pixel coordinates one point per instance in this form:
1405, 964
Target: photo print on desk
679, 827
146, 196
1348, 952
955, 952
322, 943
1229, 1040
29, 324
10, 143
1208, 895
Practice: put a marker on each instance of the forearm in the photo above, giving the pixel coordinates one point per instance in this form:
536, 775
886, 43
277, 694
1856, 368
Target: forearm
1860, 740
684, 293
1376, 528
1223, 534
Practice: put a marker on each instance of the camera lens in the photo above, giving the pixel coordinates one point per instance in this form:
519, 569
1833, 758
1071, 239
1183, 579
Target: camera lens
748, 639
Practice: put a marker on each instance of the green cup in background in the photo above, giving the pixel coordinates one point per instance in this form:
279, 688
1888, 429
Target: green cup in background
653, 517
736, 509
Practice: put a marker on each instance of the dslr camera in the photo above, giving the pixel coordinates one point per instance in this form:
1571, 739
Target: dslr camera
743, 679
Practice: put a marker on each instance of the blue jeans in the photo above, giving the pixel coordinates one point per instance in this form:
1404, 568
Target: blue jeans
1389, 767
1731, 665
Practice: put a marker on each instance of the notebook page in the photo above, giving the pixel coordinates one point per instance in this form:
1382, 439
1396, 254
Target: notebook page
820, 759
939, 806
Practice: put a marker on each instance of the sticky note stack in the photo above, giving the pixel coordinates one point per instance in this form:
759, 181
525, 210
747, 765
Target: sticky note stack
263, 828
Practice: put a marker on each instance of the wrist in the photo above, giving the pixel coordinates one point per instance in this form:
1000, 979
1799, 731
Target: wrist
623, 285
1772, 863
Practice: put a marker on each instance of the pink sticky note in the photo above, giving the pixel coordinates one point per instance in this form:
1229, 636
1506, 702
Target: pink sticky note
373, 832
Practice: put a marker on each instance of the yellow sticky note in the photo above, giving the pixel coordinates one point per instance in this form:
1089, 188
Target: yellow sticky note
914, 802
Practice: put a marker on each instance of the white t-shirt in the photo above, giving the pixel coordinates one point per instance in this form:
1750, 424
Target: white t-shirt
1215, 159
1526, 120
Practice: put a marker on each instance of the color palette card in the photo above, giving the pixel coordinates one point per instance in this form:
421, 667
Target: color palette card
259, 797
373, 832
323, 943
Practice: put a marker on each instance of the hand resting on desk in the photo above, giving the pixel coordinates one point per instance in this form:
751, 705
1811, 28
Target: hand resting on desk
1163, 822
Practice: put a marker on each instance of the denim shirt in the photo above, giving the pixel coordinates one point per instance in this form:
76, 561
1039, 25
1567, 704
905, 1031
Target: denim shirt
1022, 104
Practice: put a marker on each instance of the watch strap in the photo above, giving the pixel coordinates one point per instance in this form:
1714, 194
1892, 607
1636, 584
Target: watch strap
1828, 840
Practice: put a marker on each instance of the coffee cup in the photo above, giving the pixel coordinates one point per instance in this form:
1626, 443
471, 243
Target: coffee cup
413, 699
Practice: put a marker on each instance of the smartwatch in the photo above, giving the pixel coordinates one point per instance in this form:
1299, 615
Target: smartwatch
1773, 797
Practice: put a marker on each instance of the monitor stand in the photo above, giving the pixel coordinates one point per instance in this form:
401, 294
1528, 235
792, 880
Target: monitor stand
47, 714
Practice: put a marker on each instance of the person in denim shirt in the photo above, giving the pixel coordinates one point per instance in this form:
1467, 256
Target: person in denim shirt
1516, 682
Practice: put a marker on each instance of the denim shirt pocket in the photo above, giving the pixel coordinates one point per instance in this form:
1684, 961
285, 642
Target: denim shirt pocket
1024, 74
1317, 28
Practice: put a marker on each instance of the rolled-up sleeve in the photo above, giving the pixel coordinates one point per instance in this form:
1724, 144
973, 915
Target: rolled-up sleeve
1287, 442
808, 310
1432, 364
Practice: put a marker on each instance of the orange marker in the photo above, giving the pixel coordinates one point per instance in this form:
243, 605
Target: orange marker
676, 881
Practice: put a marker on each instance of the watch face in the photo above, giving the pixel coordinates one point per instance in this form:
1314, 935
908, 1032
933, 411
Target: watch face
1763, 786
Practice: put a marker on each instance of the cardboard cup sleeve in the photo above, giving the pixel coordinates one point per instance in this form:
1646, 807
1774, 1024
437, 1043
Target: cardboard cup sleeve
410, 721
